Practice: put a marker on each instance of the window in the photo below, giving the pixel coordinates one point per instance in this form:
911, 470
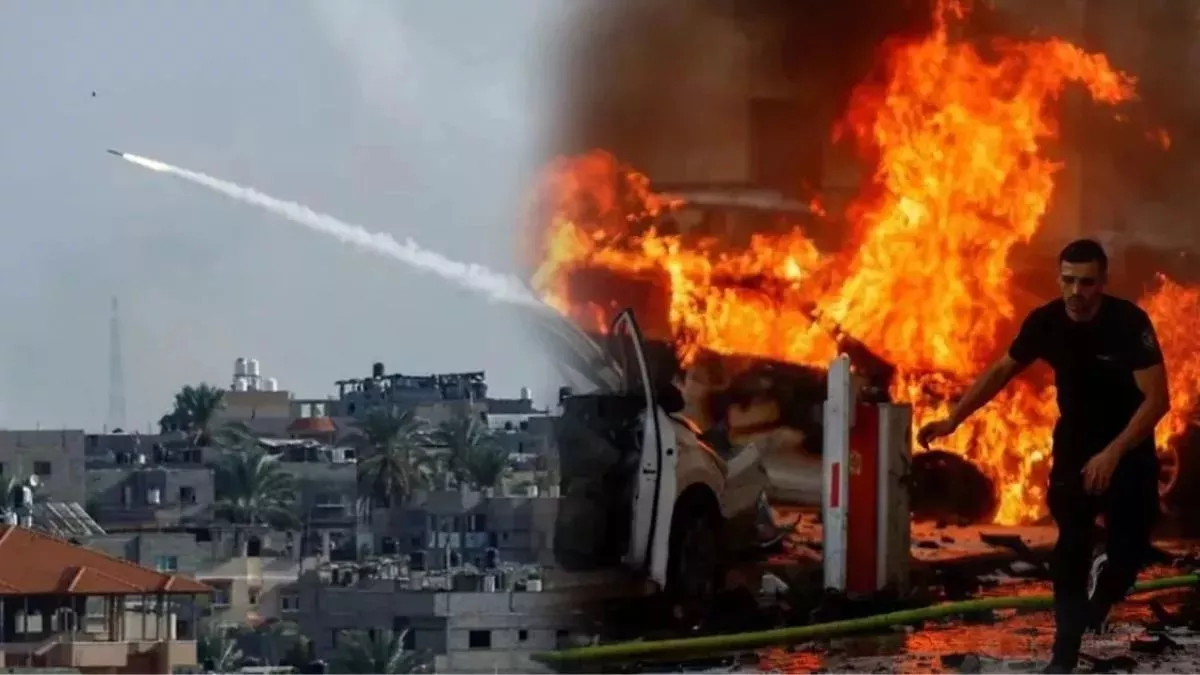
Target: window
289, 602
220, 596
41, 468
479, 639
166, 563
187, 494
522, 635
154, 496
252, 596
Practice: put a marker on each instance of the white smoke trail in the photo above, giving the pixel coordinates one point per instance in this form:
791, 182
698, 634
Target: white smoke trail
496, 286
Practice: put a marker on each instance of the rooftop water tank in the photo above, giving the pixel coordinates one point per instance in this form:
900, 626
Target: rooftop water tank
526, 394
239, 367
270, 384
252, 368
377, 369
240, 384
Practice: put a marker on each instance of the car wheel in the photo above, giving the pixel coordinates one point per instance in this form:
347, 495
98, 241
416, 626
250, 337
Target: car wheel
694, 565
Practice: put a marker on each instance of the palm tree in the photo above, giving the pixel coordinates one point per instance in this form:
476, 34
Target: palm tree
393, 460
193, 412
380, 651
474, 455
253, 489
486, 465
217, 649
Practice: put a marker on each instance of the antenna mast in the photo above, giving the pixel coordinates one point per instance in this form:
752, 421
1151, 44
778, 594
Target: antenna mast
116, 373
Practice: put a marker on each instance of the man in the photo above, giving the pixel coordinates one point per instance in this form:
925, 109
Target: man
1112, 391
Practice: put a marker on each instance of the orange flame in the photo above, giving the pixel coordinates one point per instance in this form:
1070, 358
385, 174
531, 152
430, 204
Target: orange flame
961, 178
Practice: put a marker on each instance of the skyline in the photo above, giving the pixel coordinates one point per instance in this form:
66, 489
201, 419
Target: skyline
383, 114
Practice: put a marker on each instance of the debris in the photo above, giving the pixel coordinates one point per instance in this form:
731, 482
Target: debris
1116, 664
1155, 646
963, 663
772, 586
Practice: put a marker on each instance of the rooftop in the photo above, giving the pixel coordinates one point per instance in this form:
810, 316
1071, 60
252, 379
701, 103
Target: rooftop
33, 563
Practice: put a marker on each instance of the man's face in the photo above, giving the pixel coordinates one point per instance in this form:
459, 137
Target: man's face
1082, 285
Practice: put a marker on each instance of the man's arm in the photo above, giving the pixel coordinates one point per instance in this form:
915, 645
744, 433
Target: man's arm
1151, 377
985, 387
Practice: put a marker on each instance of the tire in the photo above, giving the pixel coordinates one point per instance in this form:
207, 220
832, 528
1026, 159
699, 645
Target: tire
695, 562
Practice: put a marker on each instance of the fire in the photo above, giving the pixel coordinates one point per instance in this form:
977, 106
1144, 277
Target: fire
961, 178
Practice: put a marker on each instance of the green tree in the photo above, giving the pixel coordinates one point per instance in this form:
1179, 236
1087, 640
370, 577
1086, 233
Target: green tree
253, 488
393, 457
474, 456
194, 412
217, 649
380, 651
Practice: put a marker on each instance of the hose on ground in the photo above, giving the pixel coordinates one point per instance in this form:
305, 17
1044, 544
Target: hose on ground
714, 644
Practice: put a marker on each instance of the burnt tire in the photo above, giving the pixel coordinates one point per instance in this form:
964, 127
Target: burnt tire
696, 561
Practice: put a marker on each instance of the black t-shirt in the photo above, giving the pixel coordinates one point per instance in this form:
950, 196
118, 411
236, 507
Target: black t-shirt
1093, 364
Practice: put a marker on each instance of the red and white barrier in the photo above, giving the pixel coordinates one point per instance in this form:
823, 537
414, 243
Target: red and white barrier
865, 507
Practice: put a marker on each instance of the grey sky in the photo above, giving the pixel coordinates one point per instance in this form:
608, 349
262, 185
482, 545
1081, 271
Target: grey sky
412, 117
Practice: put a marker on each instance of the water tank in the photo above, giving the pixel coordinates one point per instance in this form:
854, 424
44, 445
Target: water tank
239, 367
270, 384
240, 384
526, 394
252, 368
377, 369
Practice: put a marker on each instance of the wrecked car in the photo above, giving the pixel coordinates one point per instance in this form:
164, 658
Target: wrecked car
645, 485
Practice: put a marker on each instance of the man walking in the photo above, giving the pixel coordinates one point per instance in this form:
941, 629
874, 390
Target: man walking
1112, 391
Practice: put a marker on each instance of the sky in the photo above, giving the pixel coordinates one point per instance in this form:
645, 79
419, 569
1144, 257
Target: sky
416, 118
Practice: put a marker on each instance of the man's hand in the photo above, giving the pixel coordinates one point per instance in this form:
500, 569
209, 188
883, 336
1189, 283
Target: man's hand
1097, 474
935, 430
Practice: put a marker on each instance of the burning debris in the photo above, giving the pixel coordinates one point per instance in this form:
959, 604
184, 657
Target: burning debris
921, 292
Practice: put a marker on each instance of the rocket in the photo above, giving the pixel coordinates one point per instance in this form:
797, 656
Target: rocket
118, 153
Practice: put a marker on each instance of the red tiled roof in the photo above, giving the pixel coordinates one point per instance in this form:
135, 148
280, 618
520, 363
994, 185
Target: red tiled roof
313, 425
34, 563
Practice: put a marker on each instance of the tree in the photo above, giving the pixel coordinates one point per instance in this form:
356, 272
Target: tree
392, 457
474, 454
194, 411
254, 489
217, 649
380, 651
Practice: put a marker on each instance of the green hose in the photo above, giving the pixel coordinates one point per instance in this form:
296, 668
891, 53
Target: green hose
712, 644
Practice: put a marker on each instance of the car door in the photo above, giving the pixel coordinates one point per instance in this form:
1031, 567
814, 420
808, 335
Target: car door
654, 493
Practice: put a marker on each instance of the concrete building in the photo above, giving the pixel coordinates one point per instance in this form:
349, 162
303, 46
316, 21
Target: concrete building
452, 527
56, 457
150, 495
470, 630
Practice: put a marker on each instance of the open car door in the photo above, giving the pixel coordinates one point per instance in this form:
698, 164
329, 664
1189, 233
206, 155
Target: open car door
654, 492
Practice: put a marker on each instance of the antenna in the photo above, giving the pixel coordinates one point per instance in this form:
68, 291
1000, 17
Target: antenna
116, 374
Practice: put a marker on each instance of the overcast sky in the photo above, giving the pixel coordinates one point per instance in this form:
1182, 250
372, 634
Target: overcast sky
413, 117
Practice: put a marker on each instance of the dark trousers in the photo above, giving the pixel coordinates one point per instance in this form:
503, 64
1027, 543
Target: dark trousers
1130, 508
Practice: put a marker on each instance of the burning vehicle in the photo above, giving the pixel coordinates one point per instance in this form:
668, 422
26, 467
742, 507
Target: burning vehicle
918, 270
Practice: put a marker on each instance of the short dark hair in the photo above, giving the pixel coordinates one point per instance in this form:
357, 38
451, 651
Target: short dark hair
1083, 251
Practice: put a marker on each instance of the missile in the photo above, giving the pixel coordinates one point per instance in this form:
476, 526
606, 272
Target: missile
118, 153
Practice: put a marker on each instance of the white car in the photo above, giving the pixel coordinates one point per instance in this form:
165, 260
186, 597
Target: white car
641, 487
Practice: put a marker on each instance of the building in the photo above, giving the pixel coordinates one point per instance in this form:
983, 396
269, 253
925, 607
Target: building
449, 528
55, 457
67, 606
482, 626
